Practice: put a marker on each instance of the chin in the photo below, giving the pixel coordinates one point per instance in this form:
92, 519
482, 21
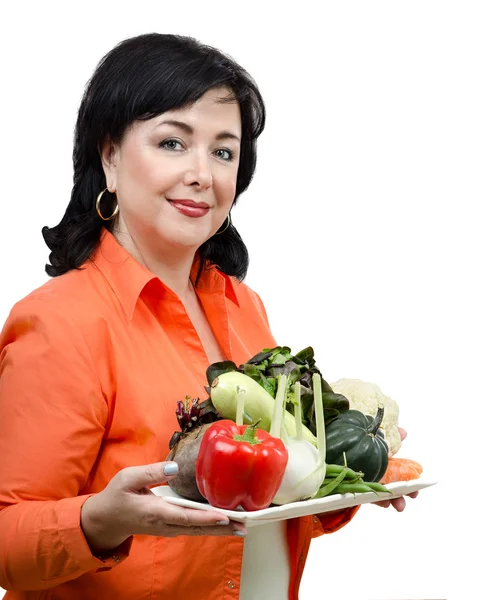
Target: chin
184, 239
183, 232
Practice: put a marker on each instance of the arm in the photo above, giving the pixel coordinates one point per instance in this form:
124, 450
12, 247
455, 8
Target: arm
52, 417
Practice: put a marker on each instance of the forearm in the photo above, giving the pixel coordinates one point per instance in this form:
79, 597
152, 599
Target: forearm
42, 544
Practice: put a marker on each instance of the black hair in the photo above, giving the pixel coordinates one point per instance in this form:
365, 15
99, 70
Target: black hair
138, 79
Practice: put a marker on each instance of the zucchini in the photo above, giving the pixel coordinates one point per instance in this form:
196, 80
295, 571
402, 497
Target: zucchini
258, 403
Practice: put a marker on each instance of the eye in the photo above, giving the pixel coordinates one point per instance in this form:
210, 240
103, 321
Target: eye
225, 154
171, 144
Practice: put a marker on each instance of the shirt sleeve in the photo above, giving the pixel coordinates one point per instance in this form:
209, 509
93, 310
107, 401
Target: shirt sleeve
330, 522
52, 422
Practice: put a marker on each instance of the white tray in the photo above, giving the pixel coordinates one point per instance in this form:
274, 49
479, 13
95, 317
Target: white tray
302, 508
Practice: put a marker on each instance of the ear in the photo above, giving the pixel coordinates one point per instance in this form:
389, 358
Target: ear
109, 155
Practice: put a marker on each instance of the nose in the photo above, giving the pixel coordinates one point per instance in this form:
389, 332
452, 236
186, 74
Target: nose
199, 171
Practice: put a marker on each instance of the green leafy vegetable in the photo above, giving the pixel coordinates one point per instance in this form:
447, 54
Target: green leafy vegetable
265, 368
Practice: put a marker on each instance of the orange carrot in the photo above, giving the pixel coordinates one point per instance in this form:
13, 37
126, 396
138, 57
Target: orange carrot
401, 469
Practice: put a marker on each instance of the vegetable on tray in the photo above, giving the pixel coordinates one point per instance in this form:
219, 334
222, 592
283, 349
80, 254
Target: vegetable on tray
305, 470
259, 403
401, 469
340, 479
356, 437
239, 465
367, 397
264, 369
194, 418
273, 431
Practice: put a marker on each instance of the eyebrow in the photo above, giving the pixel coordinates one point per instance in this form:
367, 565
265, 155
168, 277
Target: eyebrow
223, 135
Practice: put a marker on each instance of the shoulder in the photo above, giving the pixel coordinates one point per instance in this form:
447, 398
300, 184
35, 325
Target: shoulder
62, 303
40, 331
55, 289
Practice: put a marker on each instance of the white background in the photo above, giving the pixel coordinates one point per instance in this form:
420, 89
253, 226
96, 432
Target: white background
366, 225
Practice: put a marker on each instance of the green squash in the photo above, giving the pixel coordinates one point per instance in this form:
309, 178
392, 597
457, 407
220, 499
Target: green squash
357, 435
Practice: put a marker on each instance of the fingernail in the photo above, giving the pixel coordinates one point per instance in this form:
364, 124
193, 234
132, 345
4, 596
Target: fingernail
239, 533
224, 522
170, 469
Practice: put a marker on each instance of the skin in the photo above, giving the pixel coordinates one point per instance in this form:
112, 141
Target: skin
127, 506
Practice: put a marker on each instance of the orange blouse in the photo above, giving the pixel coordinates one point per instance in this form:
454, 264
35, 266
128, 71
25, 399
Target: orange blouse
91, 367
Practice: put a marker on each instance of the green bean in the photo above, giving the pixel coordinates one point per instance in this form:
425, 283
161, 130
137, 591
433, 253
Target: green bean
378, 487
341, 479
353, 488
337, 469
330, 486
328, 480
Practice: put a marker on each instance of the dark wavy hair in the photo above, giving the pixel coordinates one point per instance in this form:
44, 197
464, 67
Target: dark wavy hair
139, 79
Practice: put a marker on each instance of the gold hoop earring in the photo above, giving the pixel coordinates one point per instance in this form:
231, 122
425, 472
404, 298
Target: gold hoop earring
97, 206
226, 227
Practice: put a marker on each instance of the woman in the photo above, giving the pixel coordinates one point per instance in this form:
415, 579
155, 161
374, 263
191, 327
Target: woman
146, 291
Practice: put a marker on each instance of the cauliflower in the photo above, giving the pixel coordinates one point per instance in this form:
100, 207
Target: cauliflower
365, 397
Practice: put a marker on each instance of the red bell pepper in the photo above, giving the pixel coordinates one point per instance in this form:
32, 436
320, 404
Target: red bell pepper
240, 465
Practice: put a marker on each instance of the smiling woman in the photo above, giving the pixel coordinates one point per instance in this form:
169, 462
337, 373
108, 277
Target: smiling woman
147, 289
174, 180
200, 126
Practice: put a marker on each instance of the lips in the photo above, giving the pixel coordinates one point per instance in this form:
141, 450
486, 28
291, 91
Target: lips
190, 208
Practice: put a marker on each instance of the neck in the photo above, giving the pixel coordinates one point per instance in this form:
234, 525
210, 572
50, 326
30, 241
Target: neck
172, 268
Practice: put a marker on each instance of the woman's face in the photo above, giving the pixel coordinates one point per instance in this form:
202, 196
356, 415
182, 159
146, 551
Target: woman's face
175, 174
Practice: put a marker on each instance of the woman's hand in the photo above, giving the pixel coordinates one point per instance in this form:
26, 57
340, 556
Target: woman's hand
127, 506
400, 503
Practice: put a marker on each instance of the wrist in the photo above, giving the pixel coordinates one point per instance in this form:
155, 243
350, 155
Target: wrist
96, 529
